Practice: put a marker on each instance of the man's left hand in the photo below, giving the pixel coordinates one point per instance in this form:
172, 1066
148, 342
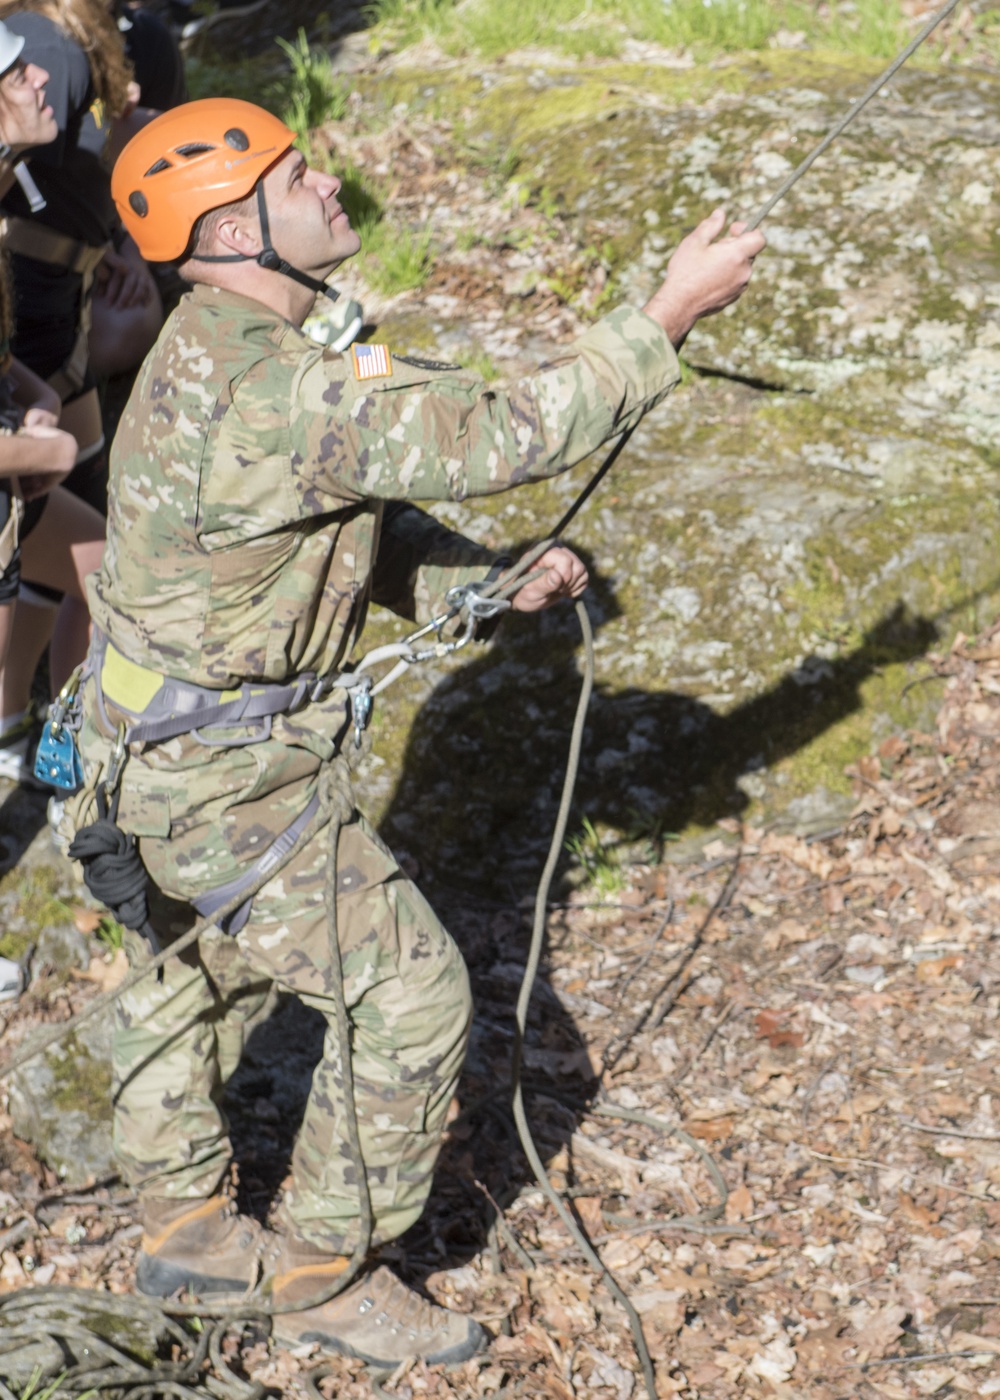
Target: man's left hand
565, 577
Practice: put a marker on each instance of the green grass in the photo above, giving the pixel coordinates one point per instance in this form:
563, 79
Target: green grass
598, 28
396, 259
362, 200
479, 362
110, 934
304, 94
52, 1389
252, 79
600, 869
315, 94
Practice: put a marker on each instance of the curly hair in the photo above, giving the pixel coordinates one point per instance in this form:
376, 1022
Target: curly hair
90, 24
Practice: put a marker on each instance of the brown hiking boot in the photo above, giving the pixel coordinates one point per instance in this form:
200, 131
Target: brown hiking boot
377, 1319
205, 1246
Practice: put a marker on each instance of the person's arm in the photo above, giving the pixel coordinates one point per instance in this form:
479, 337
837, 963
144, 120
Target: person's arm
40, 457
438, 435
123, 279
39, 400
418, 559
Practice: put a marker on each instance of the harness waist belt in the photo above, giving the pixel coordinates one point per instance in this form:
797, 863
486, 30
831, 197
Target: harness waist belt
161, 707
38, 241
206, 904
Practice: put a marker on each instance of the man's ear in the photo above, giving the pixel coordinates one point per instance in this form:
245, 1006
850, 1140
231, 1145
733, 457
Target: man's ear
238, 235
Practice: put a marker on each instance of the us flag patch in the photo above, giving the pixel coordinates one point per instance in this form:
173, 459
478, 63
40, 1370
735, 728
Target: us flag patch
371, 361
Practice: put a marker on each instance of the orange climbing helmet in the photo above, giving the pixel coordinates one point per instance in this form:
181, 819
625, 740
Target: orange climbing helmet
187, 161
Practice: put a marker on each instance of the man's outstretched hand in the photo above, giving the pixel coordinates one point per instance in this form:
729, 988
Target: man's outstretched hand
565, 577
705, 274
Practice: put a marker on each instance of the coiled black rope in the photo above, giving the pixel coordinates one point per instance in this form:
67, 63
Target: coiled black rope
113, 870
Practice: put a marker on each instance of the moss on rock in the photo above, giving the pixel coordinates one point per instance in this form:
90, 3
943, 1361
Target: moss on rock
791, 532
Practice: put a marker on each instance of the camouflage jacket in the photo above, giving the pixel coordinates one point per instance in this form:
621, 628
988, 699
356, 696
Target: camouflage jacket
261, 496
262, 487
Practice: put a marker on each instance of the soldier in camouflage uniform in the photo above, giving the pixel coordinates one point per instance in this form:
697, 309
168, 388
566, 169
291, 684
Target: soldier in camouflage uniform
262, 495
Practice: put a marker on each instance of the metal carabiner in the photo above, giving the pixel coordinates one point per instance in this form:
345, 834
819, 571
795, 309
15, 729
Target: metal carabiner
63, 701
116, 765
467, 598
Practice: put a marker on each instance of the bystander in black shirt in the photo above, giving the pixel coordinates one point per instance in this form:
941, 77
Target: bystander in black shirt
77, 192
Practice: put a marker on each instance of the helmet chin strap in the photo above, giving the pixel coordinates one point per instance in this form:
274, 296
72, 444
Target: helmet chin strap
268, 257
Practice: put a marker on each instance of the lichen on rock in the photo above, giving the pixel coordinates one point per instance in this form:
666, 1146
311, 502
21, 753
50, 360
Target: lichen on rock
789, 534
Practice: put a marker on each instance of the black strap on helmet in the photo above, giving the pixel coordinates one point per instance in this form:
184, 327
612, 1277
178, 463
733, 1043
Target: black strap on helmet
268, 257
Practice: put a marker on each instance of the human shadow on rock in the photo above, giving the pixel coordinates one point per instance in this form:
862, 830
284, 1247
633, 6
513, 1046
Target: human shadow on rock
474, 808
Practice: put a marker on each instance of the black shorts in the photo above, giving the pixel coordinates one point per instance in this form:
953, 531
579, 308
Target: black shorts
10, 581
49, 307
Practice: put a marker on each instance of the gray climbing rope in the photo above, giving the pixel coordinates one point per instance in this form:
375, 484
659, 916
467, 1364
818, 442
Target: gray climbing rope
854, 112
137, 1381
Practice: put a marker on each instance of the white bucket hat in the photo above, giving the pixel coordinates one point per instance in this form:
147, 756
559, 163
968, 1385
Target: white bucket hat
10, 48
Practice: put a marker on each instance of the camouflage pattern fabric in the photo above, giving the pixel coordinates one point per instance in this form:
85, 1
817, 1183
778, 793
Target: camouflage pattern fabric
261, 497
407, 993
251, 467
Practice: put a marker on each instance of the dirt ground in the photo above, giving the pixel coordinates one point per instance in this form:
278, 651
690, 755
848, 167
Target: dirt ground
817, 1017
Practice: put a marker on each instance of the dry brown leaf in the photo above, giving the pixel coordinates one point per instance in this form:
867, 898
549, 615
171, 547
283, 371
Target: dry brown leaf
740, 1203
932, 968
772, 1027
785, 932
589, 1210
919, 1215
823, 1348
524, 1348
859, 1106
881, 1331
869, 767
86, 920
710, 1129
107, 975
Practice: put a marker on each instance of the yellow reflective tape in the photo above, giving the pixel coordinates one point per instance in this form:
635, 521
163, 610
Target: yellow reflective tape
129, 686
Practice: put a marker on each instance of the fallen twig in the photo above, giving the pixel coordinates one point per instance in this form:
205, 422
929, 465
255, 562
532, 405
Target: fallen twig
912, 1360
713, 1030
667, 920
948, 1132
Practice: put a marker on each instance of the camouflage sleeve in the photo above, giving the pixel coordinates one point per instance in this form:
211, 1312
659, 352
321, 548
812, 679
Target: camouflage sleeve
419, 559
428, 434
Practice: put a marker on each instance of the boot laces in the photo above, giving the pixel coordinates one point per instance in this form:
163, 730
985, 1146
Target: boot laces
406, 1310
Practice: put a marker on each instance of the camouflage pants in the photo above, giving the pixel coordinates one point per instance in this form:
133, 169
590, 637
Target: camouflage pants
407, 993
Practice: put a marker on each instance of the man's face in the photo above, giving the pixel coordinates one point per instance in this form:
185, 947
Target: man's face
25, 117
309, 229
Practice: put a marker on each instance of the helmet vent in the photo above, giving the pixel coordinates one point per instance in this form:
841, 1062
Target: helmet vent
137, 203
193, 148
238, 139
157, 166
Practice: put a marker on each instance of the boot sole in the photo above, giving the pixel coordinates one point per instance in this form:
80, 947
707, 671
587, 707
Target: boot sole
158, 1278
451, 1356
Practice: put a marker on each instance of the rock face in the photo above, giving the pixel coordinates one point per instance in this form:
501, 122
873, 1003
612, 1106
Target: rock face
61, 1103
785, 539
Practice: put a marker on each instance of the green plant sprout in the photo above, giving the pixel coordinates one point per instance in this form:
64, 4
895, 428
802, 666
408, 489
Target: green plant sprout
600, 869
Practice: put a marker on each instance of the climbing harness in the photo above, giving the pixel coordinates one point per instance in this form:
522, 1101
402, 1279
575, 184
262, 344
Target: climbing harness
469, 605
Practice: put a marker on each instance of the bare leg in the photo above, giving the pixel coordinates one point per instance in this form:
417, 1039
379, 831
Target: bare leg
65, 546
31, 629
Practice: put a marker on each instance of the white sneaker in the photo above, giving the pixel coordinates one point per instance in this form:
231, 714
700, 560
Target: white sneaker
11, 979
17, 748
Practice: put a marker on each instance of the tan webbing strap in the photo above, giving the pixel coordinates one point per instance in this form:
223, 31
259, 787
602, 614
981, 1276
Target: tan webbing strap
71, 375
10, 533
33, 240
